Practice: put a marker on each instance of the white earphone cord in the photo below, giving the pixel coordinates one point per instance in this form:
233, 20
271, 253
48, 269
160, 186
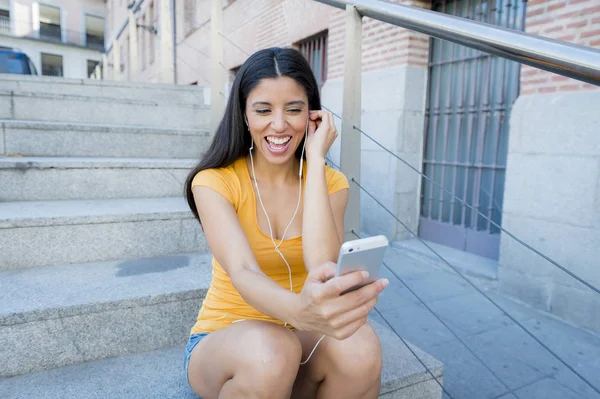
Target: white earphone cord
289, 224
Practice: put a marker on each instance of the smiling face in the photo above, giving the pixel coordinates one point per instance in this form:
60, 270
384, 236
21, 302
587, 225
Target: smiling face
277, 112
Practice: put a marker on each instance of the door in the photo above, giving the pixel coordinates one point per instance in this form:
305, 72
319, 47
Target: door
470, 94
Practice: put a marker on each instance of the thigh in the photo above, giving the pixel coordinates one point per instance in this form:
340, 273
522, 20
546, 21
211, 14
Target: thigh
242, 348
355, 361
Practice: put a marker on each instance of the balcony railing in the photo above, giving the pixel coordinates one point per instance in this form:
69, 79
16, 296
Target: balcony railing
51, 33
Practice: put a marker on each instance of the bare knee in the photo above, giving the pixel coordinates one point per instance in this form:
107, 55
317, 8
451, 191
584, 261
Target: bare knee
359, 357
271, 361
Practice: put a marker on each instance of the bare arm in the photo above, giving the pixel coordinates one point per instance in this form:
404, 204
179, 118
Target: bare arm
323, 217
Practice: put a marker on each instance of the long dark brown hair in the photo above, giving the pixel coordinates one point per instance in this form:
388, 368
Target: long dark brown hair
232, 139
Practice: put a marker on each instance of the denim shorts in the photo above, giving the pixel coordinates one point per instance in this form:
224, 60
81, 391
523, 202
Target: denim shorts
191, 344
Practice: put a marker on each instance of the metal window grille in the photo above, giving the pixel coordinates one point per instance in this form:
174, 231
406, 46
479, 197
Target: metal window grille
470, 95
314, 50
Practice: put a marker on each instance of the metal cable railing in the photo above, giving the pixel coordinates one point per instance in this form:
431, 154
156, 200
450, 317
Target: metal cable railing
564, 269
560, 359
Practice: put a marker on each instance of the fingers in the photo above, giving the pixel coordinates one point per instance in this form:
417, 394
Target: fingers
312, 127
349, 329
356, 313
361, 296
336, 286
322, 273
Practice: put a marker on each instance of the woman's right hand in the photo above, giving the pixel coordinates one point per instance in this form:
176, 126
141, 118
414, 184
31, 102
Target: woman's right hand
321, 308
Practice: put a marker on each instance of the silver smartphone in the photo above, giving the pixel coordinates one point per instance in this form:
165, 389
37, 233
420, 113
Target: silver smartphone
363, 254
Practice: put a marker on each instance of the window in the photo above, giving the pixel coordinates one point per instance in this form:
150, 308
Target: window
4, 16
50, 23
314, 50
91, 66
52, 65
94, 32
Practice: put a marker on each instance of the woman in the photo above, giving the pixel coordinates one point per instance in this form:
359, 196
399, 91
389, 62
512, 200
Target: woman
273, 215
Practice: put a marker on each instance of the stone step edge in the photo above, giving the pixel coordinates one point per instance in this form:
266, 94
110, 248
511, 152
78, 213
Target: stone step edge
100, 99
101, 128
99, 307
40, 163
101, 83
45, 220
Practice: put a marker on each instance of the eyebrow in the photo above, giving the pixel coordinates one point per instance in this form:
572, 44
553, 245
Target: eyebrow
299, 102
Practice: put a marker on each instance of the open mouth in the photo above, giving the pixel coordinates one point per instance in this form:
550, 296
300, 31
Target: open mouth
278, 145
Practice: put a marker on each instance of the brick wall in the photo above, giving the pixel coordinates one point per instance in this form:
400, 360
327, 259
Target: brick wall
384, 45
575, 21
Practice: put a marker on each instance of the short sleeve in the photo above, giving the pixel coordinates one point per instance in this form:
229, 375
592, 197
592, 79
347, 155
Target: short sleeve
218, 180
336, 180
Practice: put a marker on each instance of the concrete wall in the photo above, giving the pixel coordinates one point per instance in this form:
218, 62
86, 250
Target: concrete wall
552, 189
393, 114
552, 202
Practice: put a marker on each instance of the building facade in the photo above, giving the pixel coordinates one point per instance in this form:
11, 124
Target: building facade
509, 146
62, 37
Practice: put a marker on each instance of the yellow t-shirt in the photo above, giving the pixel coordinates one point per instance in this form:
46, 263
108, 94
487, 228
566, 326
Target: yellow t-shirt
223, 305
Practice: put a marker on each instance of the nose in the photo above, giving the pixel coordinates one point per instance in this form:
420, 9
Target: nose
278, 124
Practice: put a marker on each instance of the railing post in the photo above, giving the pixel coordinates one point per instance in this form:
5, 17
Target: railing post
350, 150
217, 75
166, 42
133, 46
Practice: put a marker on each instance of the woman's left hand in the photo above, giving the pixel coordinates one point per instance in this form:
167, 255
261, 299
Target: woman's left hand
321, 134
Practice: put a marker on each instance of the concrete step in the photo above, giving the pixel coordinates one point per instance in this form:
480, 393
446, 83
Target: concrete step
54, 107
48, 178
80, 313
60, 315
159, 374
104, 88
42, 233
55, 139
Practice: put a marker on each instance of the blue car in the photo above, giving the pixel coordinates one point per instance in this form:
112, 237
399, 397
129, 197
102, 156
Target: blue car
16, 62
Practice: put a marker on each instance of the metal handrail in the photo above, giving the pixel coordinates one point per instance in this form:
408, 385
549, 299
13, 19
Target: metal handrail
571, 60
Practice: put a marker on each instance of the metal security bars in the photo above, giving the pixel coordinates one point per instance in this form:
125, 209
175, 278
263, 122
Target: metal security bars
470, 95
314, 50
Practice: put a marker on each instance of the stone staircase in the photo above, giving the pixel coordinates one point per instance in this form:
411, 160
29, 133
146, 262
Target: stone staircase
102, 266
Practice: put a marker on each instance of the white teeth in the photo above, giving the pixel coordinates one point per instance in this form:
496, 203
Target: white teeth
279, 141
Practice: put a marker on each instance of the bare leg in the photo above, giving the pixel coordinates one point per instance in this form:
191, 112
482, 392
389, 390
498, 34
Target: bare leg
340, 369
251, 359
